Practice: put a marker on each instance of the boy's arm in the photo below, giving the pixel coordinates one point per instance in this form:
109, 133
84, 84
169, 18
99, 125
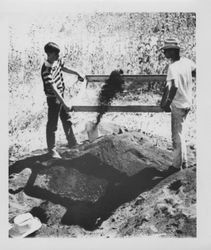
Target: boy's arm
172, 88
47, 77
61, 99
70, 71
172, 93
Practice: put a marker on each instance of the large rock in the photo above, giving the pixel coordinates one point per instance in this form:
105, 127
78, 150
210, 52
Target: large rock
129, 153
112, 159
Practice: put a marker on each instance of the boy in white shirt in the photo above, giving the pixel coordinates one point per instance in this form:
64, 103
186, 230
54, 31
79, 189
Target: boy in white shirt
179, 101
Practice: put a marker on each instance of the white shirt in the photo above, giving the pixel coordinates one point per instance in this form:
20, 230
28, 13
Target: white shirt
181, 72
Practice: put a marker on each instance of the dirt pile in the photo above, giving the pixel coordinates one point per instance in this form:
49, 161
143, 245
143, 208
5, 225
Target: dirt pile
167, 210
84, 192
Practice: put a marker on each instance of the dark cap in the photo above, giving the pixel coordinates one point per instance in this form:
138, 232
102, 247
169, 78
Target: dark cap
51, 47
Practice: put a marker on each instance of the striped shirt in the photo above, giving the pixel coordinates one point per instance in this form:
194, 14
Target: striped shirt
52, 74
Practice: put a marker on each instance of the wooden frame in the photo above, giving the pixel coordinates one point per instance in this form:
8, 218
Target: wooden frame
129, 108
149, 78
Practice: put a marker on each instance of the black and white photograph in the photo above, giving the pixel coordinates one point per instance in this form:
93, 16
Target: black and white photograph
102, 124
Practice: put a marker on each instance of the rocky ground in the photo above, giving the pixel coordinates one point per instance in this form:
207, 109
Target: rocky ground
116, 186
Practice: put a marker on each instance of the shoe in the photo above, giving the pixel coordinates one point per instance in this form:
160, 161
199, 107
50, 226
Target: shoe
54, 154
184, 165
172, 170
72, 145
169, 171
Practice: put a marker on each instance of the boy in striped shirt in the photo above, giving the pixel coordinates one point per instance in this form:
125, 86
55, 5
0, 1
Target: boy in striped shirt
54, 87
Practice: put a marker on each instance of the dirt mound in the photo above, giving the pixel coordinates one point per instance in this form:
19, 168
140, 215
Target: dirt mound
167, 210
87, 185
130, 153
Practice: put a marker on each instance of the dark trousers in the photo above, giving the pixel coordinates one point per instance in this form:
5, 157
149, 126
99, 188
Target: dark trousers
56, 110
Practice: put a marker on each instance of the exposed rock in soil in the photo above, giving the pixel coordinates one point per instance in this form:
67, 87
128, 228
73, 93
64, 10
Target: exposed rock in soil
115, 186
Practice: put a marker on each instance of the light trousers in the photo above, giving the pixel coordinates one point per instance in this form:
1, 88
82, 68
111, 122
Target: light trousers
179, 129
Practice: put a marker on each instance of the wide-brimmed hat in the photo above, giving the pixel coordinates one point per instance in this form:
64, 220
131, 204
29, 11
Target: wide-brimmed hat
24, 224
171, 43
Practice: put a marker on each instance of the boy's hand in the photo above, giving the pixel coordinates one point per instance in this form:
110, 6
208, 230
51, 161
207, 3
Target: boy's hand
80, 78
68, 108
166, 108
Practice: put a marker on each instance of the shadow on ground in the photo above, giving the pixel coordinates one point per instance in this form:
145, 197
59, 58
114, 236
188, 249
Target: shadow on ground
119, 188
